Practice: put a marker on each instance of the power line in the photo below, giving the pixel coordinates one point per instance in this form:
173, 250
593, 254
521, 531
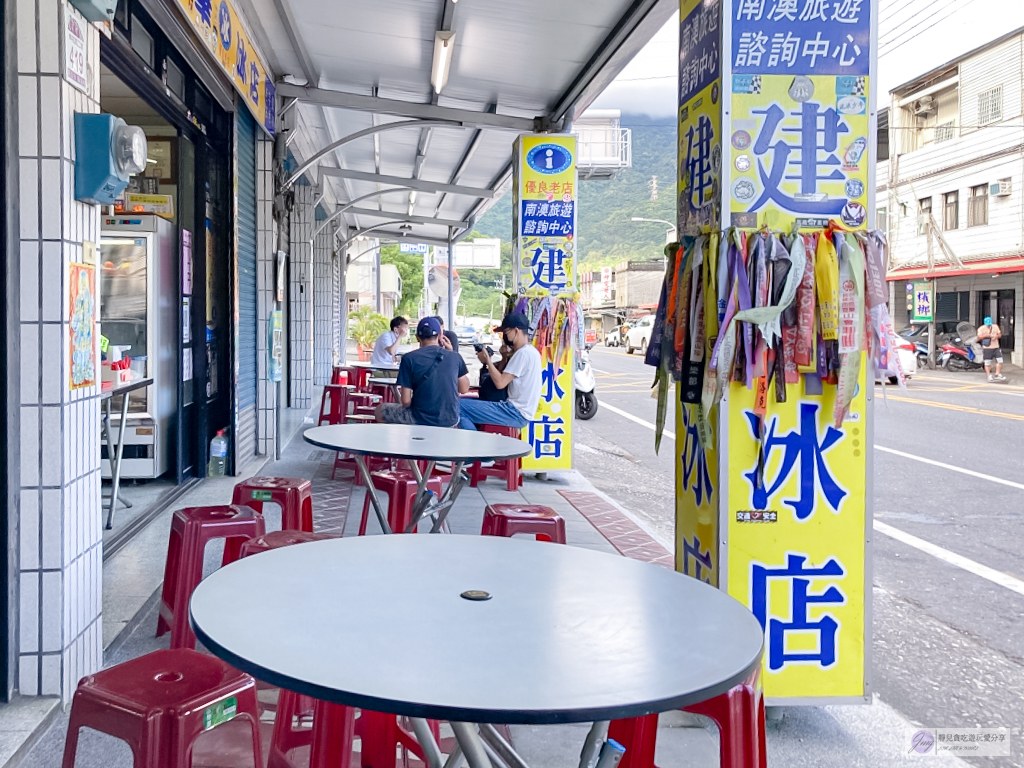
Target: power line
892, 11
918, 34
896, 32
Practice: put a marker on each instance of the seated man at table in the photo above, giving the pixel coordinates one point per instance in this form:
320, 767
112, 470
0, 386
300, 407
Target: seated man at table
521, 377
385, 349
450, 339
430, 380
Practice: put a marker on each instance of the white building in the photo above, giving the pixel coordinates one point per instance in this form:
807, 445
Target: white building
950, 183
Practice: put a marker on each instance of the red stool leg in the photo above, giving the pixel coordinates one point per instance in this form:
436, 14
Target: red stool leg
739, 715
639, 735
189, 575
167, 595
366, 515
379, 735
332, 736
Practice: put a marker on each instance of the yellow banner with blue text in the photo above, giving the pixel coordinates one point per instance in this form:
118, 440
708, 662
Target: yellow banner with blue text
544, 254
796, 530
219, 27
697, 496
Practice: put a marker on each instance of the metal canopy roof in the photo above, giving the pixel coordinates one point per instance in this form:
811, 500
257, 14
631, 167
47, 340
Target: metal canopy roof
518, 66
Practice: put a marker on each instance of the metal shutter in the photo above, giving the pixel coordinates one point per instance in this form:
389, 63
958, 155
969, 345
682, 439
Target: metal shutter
245, 436
946, 306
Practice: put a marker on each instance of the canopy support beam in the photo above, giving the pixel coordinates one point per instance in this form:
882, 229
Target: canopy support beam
418, 184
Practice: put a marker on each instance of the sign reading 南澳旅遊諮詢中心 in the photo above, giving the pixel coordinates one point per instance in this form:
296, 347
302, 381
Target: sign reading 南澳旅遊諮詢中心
801, 104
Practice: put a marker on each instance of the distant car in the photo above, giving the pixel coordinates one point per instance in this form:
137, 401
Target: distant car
467, 334
639, 336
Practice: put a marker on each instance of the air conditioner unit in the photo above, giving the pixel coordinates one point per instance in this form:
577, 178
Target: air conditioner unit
1000, 188
924, 107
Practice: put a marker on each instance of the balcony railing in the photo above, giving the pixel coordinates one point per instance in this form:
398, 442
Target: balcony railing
603, 151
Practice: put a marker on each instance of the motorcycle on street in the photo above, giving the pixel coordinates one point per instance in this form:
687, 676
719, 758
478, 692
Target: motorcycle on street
584, 383
962, 352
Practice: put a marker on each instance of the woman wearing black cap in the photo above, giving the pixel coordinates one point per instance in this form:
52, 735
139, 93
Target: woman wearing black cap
521, 377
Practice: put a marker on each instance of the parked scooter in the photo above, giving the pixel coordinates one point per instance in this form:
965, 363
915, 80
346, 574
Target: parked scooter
921, 350
584, 382
963, 352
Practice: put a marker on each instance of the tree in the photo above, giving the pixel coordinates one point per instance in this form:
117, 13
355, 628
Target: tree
410, 269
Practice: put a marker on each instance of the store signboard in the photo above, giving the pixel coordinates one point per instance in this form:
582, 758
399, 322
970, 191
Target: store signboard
544, 255
796, 531
801, 102
924, 295
75, 66
219, 26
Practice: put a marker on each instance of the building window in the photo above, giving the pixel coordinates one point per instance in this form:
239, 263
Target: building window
990, 106
142, 42
924, 215
945, 132
950, 210
882, 219
977, 210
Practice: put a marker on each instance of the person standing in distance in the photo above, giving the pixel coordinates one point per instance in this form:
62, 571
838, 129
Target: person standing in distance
521, 377
386, 346
430, 380
989, 335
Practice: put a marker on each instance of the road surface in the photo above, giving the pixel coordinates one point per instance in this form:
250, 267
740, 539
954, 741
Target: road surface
948, 641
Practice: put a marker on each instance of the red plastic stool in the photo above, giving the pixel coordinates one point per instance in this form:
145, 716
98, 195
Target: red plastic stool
160, 703
191, 530
510, 519
738, 713
278, 539
334, 404
330, 737
342, 374
400, 487
510, 469
293, 494
381, 733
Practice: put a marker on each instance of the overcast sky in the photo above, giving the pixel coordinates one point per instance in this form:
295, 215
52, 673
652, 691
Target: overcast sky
916, 36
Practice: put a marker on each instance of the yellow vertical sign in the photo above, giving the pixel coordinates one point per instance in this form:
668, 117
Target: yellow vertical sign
796, 537
700, 211
544, 253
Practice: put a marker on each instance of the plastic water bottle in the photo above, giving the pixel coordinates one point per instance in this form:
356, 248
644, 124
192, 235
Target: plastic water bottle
218, 455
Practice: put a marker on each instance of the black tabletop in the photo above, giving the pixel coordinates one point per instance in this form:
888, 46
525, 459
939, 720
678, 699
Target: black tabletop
382, 381
373, 366
404, 442
568, 634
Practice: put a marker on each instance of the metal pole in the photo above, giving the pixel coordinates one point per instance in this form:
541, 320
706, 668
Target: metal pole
282, 207
468, 738
450, 320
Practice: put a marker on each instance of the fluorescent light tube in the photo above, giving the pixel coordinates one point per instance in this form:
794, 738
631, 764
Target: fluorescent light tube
444, 48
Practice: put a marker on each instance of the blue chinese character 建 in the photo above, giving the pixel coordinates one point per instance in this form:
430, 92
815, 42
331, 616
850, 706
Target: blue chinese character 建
550, 389
803, 452
548, 443
699, 169
694, 462
826, 626
818, 132
694, 552
547, 267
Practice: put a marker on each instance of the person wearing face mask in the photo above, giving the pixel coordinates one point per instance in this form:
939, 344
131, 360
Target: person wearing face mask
521, 378
989, 335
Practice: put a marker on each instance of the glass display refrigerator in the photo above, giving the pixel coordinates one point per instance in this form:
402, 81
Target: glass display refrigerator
138, 288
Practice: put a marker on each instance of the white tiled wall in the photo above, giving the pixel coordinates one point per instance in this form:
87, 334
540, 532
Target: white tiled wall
300, 307
60, 539
325, 307
266, 241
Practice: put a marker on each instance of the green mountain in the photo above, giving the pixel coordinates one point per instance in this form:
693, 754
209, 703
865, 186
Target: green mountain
605, 232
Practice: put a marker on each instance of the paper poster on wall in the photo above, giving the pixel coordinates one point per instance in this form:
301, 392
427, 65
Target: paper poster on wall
186, 320
82, 310
186, 262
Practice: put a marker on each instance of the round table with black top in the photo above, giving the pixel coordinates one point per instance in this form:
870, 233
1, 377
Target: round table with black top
415, 443
519, 632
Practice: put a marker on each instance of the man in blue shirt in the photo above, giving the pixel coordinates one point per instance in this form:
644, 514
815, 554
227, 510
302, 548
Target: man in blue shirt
430, 380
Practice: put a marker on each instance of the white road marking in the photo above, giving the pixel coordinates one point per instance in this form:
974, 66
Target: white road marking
996, 577
952, 468
637, 419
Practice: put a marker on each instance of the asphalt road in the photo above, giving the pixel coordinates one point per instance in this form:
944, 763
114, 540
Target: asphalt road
948, 642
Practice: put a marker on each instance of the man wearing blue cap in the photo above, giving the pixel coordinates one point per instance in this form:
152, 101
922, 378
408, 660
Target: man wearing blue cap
430, 380
521, 377
989, 335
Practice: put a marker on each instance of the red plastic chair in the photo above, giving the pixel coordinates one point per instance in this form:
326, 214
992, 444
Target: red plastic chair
400, 486
738, 713
342, 374
293, 494
330, 738
334, 404
510, 519
509, 469
278, 539
160, 703
381, 734
191, 530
